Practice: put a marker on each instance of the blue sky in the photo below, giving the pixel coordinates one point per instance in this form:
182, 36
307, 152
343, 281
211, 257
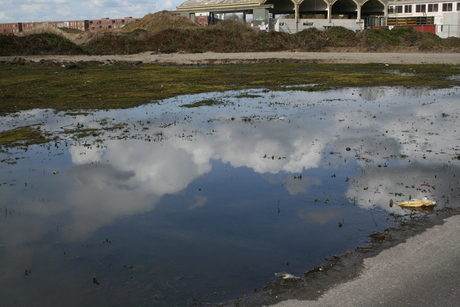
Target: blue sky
56, 10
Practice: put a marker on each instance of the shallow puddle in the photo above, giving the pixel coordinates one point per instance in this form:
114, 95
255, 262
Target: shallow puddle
206, 197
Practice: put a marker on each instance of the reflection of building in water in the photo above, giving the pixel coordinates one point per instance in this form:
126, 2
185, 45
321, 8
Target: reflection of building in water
373, 93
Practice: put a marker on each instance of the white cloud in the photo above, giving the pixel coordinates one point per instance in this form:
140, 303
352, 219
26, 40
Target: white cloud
4, 17
128, 177
57, 10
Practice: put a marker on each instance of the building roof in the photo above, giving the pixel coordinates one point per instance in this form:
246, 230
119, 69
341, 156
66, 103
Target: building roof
218, 3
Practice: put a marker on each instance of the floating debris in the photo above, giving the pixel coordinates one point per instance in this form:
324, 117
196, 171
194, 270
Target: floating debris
287, 276
415, 203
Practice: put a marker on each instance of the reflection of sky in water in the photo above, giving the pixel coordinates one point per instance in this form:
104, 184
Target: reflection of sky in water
172, 203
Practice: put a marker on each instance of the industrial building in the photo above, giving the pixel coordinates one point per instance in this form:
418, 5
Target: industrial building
435, 16
292, 15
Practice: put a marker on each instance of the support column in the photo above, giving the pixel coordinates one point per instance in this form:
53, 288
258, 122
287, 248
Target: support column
329, 12
297, 17
358, 11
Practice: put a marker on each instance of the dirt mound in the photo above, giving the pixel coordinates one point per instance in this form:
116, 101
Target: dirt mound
116, 42
43, 27
75, 36
159, 22
386, 39
164, 32
38, 44
313, 39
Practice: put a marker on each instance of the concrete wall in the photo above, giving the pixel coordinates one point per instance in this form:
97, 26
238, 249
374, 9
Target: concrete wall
289, 25
450, 25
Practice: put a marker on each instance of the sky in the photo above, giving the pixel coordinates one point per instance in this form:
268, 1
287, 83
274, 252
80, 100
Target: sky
62, 10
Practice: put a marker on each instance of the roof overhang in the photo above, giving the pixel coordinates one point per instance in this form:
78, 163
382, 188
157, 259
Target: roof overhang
237, 7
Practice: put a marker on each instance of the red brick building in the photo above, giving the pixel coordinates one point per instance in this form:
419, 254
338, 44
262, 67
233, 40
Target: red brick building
92, 25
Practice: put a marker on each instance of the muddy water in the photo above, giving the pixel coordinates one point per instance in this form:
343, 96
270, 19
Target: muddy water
172, 205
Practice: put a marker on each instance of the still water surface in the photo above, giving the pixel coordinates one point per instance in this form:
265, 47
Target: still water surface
167, 204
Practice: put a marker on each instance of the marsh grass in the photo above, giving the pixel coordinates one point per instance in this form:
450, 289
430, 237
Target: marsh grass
26, 135
116, 87
201, 103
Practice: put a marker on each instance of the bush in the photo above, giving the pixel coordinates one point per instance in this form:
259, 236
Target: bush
38, 44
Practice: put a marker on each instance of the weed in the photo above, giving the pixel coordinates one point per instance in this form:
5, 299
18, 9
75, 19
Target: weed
22, 136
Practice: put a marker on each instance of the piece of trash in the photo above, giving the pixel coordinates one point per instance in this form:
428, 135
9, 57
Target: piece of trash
95, 279
415, 203
55, 172
287, 276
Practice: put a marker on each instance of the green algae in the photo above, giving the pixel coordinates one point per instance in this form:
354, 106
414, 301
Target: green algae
26, 135
114, 87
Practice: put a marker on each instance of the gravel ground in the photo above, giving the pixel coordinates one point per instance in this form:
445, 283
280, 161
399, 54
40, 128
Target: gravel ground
248, 57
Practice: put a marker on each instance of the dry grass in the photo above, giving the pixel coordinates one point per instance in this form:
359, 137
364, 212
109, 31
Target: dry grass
75, 36
159, 22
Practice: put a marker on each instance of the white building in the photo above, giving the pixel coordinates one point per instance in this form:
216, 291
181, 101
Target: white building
441, 16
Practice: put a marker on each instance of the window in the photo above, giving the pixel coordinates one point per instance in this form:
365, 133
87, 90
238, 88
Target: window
432, 7
391, 9
458, 6
408, 9
447, 7
420, 8
398, 9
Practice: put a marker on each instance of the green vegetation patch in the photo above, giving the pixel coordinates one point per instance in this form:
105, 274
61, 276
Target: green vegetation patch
201, 103
26, 135
83, 87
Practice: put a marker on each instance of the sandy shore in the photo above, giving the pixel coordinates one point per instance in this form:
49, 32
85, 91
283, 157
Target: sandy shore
249, 57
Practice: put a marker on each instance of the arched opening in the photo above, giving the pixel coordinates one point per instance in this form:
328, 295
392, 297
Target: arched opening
373, 13
314, 9
281, 7
344, 9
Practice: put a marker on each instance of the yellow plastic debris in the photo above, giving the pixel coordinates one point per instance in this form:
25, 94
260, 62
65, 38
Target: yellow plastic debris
415, 203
